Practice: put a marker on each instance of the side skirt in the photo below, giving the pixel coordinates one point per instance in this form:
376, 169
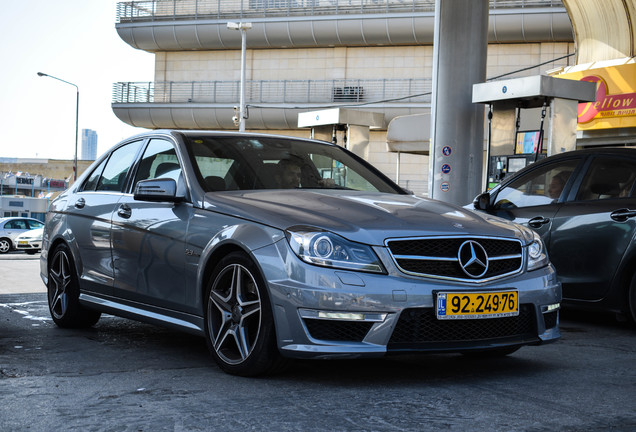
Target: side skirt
189, 323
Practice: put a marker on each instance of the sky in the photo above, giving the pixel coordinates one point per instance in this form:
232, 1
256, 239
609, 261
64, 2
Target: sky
74, 40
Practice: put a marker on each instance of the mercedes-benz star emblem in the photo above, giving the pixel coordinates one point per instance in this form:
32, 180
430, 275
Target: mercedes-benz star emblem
473, 259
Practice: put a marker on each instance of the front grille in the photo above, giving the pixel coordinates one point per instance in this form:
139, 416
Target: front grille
419, 328
342, 331
440, 257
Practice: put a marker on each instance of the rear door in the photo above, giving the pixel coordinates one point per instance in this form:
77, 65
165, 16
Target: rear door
14, 228
89, 216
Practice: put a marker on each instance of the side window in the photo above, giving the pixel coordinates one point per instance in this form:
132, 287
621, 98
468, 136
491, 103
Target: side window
34, 224
216, 167
159, 161
538, 187
91, 182
608, 177
215, 172
113, 177
16, 224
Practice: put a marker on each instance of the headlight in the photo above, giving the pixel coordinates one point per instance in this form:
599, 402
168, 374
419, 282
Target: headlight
537, 255
330, 250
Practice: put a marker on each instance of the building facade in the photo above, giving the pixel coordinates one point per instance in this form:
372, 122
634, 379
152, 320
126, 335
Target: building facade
311, 55
28, 185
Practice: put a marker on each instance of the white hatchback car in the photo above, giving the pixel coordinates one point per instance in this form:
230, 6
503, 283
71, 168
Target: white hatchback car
30, 241
11, 227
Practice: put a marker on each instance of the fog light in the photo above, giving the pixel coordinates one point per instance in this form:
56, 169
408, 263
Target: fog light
341, 316
552, 307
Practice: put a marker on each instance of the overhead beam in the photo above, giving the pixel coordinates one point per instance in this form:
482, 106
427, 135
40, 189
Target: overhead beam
603, 30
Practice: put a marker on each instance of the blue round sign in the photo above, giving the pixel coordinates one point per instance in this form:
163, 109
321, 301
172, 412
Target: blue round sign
446, 150
504, 89
445, 186
446, 168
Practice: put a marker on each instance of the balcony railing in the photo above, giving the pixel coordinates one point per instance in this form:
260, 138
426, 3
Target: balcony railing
150, 10
276, 92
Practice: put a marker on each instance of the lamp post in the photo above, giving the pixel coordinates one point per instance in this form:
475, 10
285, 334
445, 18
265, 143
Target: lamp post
42, 74
242, 27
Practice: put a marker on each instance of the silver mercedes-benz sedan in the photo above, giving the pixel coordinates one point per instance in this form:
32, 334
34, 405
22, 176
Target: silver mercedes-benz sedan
274, 247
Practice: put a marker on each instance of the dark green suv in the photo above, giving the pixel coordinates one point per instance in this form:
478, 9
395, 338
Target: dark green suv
583, 204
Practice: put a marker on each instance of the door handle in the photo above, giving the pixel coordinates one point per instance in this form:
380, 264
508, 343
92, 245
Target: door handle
621, 215
537, 222
80, 203
124, 211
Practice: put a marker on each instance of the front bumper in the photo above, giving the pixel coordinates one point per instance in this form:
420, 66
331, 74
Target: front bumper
327, 313
29, 246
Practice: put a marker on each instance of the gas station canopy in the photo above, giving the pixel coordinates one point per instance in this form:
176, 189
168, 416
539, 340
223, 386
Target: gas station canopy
531, 92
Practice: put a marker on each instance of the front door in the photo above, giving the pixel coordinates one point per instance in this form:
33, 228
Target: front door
148, 238
535, 198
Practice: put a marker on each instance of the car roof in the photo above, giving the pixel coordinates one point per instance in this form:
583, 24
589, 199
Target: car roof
212, 133
8, 218
596, 151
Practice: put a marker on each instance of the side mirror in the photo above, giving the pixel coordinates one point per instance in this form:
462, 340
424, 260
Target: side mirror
482, 201
157, 190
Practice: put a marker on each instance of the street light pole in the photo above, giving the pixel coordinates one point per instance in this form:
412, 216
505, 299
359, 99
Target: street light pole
42, 74
242, 27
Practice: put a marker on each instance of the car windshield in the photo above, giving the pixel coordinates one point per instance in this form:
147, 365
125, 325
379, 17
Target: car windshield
247, 163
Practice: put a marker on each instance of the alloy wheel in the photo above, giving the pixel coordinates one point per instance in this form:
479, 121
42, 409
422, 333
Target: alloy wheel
234, 314
60, 280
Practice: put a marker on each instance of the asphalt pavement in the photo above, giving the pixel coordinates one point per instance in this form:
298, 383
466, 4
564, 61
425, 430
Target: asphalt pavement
127, 376
20, 273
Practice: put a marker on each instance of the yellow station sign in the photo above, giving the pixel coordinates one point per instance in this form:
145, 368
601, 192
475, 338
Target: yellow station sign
615, 105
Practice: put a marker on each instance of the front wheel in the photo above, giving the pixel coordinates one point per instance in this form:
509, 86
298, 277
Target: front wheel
5, 245
63, 292
239, 325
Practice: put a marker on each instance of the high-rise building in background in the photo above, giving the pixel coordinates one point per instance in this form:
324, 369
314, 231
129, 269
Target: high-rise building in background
89, 144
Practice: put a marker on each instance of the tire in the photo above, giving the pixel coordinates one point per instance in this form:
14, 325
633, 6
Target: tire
632, 298
63, 292
5, 245
239, 325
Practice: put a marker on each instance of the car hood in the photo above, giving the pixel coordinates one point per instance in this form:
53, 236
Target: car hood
359, 216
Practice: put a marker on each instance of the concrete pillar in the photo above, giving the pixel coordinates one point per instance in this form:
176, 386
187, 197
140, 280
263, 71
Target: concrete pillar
457, 125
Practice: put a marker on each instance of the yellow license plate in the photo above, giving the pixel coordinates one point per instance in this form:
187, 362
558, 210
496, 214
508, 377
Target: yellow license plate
23, 243
476, 305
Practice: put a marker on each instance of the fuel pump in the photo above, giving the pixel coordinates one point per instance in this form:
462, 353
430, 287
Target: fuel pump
528, 147
517, 128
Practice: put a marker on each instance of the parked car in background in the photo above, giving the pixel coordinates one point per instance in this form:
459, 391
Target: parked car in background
274, 247
583, 204
11, 227
30, 241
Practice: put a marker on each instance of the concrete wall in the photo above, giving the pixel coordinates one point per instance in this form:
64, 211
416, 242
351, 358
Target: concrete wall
343, 63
